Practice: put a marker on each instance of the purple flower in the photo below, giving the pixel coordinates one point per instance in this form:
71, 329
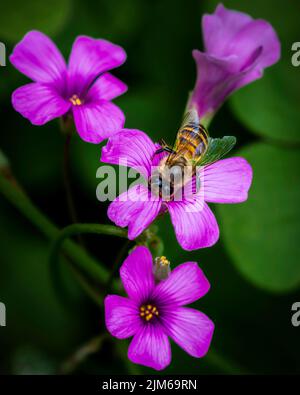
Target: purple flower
225, 181
237, 49
84, 88
153, 312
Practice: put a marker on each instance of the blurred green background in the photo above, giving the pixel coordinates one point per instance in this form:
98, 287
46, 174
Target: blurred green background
254, 269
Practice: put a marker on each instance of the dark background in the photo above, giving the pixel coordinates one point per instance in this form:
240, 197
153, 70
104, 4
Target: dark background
254, 269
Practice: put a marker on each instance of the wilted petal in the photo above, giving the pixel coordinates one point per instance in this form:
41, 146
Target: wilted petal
89, 58
190, 329
226, 181
135, 208
185, 284
150, 347
38, 58
194, 223
132, 148
39, 103
121, 316
96, 121
106, 87
137, 274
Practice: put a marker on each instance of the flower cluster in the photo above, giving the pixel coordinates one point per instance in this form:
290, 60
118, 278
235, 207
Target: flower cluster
237, 50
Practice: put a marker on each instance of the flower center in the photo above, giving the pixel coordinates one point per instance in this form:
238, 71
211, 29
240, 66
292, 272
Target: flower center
75, 100
147, 312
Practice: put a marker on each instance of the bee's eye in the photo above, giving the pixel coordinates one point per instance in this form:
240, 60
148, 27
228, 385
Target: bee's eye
176, 172
156, 180
155, 184
166, 190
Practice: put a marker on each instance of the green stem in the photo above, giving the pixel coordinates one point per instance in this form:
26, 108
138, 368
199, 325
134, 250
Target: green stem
223, 364
91, 347
77, 255
117, 264
67, 179
77, 229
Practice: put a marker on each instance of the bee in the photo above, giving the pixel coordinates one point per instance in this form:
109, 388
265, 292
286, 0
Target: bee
193, 148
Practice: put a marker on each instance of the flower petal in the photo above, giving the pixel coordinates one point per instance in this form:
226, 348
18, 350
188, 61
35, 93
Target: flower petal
39, 103
150, 347
137, 274
89, 58
220, 28
186, 284
38, 58
226, 181
121, 316
106, 87
216, 79
194, 223
132, 148
135, 208
190, 329
255, 35
96, 121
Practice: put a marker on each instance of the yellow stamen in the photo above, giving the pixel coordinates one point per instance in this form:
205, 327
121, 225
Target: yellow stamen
75, 100
147, 312
164, 261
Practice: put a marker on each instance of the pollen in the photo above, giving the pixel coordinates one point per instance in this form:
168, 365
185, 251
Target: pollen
147, 312
164, 261
75, 100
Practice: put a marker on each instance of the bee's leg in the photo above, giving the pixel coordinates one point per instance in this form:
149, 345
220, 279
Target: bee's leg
162, 143
164, 149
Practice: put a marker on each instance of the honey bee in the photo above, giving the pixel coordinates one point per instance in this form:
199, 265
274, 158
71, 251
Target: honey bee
193, 148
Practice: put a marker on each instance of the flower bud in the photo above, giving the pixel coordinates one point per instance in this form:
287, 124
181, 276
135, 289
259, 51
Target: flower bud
161, 268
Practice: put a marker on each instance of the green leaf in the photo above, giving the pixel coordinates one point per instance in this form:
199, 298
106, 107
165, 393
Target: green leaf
17, 17
270, 106
3, 160
261, 235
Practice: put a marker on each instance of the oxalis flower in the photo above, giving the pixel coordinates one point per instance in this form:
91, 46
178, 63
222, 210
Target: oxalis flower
225, 181
84, 89
237, 50
154, 311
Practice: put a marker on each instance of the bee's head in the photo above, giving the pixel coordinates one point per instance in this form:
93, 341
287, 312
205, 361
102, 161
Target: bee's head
161, 186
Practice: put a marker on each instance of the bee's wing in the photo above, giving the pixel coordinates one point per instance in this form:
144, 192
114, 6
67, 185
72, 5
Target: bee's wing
217, 148
190, 117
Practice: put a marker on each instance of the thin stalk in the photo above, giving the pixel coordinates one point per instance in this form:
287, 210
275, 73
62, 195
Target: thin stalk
91, 280
67, 179
20, 201
117, 263
91, 347
77, 229
224, 364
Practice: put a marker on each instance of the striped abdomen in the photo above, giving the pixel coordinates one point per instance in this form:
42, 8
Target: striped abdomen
191, 143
